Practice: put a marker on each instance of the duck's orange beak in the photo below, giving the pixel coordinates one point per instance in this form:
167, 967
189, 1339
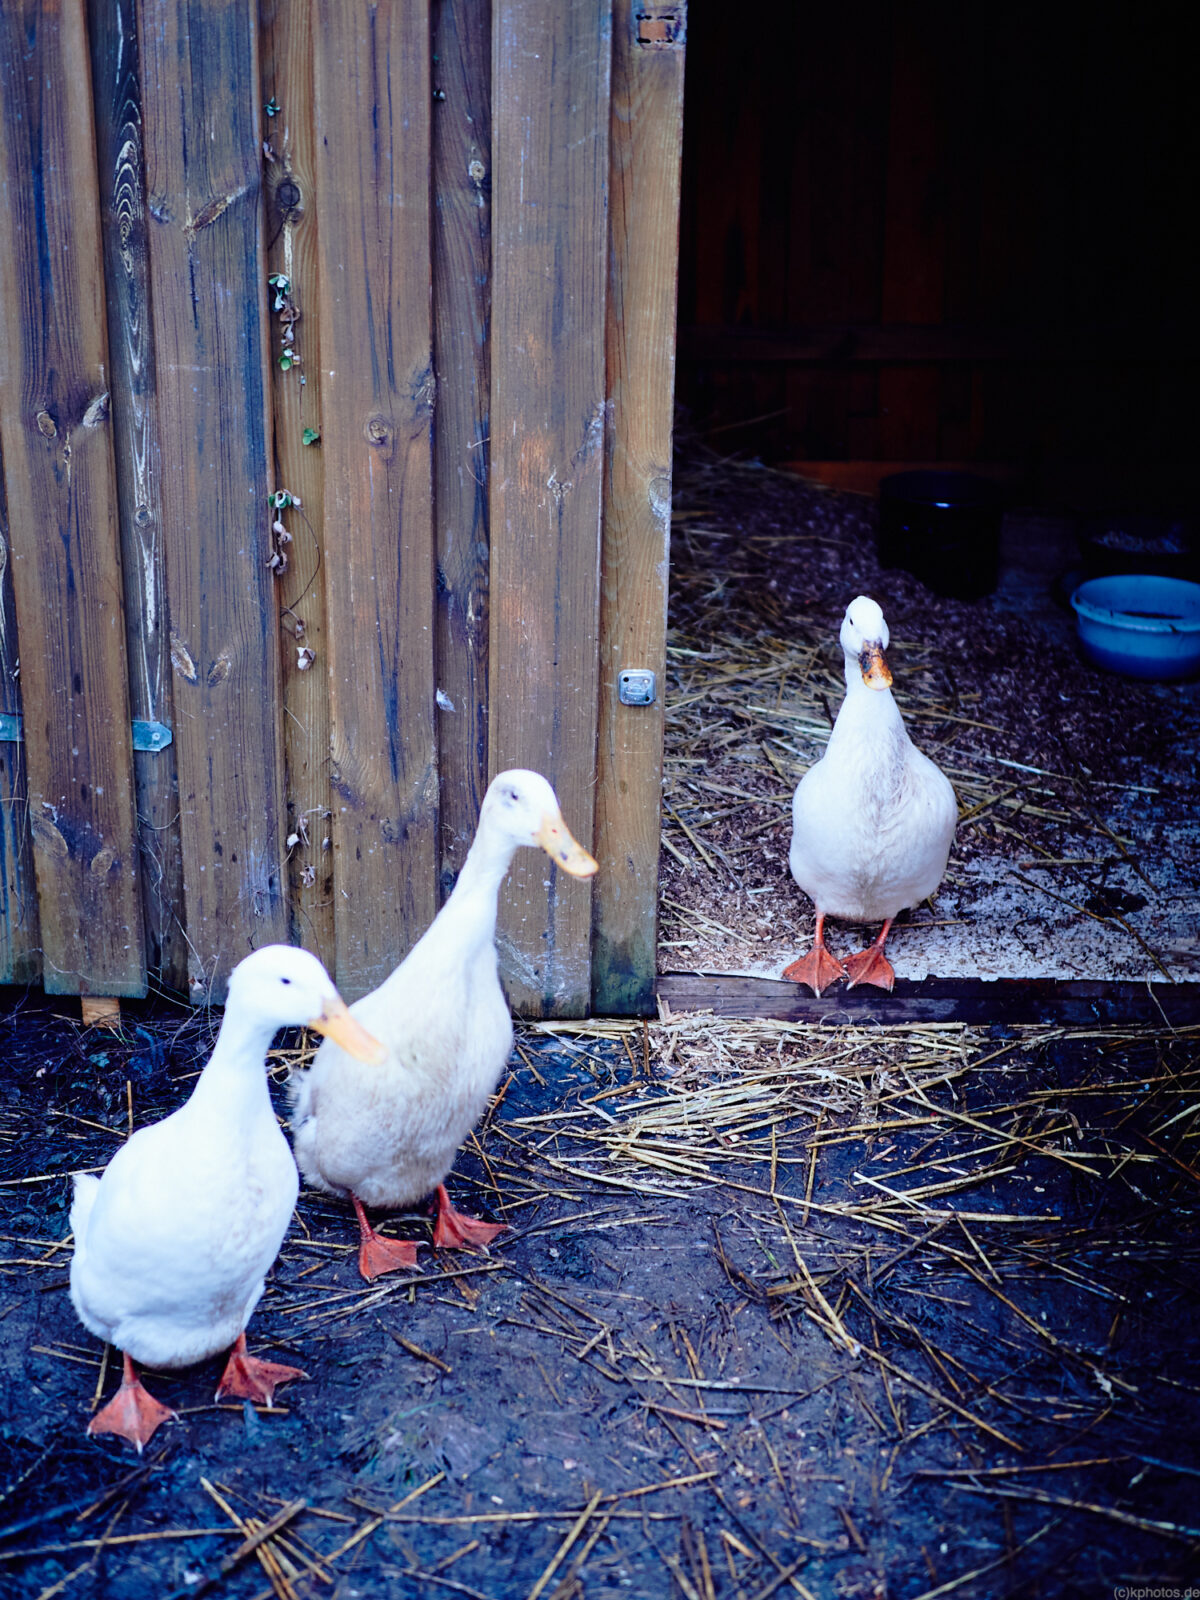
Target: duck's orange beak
875, 670
336, 1023
565, 851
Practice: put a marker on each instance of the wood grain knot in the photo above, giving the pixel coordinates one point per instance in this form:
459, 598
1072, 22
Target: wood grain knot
378, 432
47, 837
220, 669
103, 862
46, 424
287, 196
97, 412
181, 659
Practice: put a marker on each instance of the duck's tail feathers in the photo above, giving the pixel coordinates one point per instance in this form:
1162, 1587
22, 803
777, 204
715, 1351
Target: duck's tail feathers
87, 1188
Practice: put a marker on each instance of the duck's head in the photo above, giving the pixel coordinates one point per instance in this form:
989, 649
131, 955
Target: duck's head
289, 988
522, 808
864, 638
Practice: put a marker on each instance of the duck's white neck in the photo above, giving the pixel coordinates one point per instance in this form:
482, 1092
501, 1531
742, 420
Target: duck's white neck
865, 712
235, 1079
469, 916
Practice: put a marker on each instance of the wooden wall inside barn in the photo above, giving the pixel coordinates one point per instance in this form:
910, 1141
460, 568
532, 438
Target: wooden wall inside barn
309, 520
940, 232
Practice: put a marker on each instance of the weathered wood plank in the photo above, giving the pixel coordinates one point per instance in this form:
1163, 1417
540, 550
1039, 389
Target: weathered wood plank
62, 504
112, 27
1049, 1001
373, 98
292, 226
646, 140
20, 947
462, 153
550, 91
101, 1012
208, 282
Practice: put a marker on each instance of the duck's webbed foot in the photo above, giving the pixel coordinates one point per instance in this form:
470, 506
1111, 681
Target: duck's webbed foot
247, 1377
456, 1231
133, 1412
377, 1255
818, 969
871, 965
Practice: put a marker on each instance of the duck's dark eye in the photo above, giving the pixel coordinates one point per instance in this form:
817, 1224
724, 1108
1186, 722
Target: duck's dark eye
513, 795
285, 980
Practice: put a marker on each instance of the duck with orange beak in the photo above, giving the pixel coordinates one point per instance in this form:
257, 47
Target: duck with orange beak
173, 1242
387, 1136
873, 820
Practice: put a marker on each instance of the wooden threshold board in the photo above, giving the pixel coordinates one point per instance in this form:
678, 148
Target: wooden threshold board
1052, 1002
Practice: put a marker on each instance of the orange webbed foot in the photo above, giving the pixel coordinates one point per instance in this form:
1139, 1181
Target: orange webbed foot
871, 965
133, 1413
456, 1231
247, 1377
818, 969
377, 1255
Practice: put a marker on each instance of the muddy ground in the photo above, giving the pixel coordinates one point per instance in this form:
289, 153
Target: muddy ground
826, 1312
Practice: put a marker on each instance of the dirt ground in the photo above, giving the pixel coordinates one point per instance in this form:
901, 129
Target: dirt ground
902, 1312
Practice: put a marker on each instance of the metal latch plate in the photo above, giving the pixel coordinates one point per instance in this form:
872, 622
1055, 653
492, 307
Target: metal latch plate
660, 27
636, 686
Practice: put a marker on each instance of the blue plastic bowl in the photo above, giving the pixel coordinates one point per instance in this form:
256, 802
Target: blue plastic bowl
1142, 626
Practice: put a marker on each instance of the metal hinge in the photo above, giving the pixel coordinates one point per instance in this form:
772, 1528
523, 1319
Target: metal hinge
660, 27
146, 735
150, 735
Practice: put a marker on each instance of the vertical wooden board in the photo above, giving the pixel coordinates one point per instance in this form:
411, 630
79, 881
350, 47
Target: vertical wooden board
462, 182
373, 99
208, 283
292, 224
646, 141
20, 950
61, 490
550, 92
112, 28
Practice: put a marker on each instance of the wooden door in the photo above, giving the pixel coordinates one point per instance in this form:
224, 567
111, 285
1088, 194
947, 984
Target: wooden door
337, 352
585, 205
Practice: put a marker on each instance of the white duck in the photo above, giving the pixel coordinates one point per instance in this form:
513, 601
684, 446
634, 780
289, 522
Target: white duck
173, 1241
873, 820
387, 1136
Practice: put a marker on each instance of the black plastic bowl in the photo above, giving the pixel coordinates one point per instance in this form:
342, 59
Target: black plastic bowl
944, 527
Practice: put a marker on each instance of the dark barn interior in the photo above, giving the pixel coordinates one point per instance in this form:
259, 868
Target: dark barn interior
943, 234
841, 1299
